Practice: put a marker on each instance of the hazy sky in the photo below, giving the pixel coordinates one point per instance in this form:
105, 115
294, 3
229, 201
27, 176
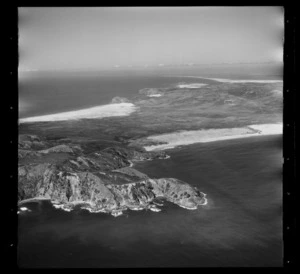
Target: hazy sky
75, 38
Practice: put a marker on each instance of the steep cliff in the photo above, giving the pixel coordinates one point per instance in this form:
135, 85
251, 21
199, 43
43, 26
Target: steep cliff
100, 181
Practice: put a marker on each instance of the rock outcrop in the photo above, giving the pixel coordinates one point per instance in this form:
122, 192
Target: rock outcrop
150, 91
59, 148
102, 181
70, 189
32, 142
117, 100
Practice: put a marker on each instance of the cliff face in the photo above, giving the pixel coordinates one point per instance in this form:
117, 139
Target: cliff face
101, 181
69, 189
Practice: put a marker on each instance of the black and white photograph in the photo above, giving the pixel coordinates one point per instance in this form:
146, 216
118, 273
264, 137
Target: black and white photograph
150, 137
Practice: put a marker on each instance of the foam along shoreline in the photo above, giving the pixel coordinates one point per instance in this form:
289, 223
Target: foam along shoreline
211, 135
37, 200
110, 110
235, 81
23, 209
195, 85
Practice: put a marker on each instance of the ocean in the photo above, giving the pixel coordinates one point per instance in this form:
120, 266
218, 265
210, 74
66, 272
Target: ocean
240, 226
54, 93
42, 93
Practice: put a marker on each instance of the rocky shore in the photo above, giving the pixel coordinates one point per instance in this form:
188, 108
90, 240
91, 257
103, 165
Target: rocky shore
99, 181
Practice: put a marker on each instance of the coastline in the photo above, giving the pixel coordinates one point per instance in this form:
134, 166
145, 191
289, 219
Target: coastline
37, 199
212, 135
243, 81
223, 80
118, 188
98, 112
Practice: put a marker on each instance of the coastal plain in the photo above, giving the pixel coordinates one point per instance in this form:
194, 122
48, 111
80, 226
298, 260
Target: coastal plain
216, 105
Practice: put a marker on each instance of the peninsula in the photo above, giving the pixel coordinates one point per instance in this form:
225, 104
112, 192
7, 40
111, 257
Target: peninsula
101, 181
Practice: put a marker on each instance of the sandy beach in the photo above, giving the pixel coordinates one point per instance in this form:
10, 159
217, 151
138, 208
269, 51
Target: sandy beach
211, 135
243, 81
223, 80
110, 110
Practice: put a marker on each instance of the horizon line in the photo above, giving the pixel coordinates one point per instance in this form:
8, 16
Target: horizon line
130, 67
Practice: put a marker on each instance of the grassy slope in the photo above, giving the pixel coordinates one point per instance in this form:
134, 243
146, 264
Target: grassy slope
215, 106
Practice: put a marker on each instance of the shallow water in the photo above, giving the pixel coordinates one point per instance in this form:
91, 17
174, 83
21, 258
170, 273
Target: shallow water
240, 226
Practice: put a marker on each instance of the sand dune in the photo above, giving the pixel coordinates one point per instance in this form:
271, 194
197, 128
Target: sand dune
211, 135
110, 110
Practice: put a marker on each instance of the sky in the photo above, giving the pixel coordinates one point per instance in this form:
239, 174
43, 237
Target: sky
110, 37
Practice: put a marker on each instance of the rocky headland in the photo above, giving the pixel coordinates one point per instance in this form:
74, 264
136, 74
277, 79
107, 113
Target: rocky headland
99, 181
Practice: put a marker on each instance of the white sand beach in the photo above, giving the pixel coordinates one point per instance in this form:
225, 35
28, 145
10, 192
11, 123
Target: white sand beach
236, 81
243, 81
224, 80
110, 110
211, 135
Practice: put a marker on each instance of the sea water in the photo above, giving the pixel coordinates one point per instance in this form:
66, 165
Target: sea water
240, 226
44, 93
